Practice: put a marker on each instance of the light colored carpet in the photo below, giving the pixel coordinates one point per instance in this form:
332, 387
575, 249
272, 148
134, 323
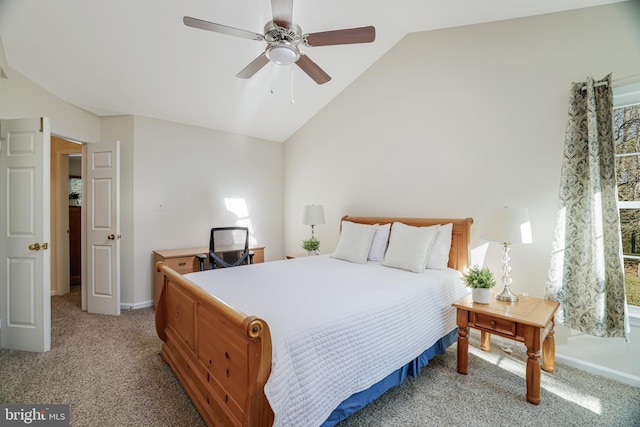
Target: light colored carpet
109, 370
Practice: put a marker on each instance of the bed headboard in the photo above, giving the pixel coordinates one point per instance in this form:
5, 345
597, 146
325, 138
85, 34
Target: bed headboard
460, 239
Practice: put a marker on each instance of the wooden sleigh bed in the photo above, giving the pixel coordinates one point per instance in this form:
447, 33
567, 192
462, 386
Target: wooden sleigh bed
223, 357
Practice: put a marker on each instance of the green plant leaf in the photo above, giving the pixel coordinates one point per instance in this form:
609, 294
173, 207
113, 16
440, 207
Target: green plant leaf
311, 244
477, 277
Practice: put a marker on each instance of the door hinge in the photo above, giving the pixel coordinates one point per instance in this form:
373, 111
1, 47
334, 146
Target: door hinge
41, 124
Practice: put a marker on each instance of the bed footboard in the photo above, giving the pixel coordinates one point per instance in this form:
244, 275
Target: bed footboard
221, 356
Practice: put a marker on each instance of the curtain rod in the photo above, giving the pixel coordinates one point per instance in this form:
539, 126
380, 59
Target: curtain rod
596, 85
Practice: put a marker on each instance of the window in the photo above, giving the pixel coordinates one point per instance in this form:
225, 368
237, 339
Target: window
626, 134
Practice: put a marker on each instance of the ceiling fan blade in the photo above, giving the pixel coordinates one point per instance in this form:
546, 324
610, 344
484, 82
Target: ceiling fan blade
312, 69
219, 28
346, 36
253, 67
282, 11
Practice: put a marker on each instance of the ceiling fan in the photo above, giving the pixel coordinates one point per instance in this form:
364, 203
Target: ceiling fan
284, 38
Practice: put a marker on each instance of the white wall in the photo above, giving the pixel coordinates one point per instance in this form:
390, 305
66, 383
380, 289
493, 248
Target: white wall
75, 166
453, 122
21, 98
191, 172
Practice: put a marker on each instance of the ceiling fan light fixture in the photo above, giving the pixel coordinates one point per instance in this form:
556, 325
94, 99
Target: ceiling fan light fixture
282, 53
283, 38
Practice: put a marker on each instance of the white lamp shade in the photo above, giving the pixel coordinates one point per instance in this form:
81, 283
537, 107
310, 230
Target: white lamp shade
313, 215
507, 225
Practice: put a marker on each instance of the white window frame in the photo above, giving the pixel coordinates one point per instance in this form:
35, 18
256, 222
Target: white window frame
625, 96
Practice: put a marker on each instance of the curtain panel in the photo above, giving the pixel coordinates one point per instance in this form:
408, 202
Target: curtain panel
586, 274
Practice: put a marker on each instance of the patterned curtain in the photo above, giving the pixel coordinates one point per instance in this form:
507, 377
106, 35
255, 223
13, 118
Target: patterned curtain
587, 272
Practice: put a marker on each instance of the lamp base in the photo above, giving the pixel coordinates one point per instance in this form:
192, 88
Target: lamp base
507, 295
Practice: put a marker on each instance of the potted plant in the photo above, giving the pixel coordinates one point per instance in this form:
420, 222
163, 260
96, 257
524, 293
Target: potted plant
74, 199
480, 280
311, 246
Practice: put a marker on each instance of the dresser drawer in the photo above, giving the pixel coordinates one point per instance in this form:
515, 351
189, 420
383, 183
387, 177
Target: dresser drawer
183, 265
493, 324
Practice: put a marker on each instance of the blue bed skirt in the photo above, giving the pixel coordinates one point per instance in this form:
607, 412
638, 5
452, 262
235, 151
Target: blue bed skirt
361, 399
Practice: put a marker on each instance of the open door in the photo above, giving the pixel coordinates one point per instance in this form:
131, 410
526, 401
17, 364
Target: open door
102, 207
25, 264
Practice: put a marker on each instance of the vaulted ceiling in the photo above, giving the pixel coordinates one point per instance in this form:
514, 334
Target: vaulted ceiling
137, 57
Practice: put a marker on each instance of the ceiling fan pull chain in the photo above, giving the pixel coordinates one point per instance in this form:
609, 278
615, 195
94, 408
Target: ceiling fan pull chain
292, 100
272, 78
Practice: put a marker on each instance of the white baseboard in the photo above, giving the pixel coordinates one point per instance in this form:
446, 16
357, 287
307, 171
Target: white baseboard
592, 368
129, 306
123, 305
603, 371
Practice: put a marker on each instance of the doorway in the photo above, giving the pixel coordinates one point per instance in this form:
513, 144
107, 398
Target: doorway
100, 223
66, 223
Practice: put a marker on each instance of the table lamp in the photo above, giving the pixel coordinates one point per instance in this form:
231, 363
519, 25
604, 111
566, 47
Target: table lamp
507, 226
313, 215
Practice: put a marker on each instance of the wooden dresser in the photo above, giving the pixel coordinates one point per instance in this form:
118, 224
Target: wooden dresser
184, 261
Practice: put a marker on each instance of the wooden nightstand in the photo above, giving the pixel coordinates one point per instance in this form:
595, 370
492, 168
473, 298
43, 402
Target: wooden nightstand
530, 321
300, 255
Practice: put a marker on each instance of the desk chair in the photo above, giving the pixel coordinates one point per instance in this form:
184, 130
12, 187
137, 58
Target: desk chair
228, 247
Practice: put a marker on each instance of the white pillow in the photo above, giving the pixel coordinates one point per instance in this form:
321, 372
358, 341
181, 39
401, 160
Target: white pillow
379, 244
438, 258
409, 246
355, 242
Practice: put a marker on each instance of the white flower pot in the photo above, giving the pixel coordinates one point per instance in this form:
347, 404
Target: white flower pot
311, 253
481, 295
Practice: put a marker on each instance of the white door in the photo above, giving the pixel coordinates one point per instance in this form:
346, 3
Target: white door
25, 264
102, 205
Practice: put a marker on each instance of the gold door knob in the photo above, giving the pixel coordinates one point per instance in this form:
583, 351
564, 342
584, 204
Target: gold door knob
111, 236
34, 247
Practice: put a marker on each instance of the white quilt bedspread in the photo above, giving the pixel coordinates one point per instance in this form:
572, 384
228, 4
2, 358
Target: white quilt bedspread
337, 327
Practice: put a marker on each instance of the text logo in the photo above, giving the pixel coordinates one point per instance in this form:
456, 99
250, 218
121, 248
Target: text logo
34, 415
